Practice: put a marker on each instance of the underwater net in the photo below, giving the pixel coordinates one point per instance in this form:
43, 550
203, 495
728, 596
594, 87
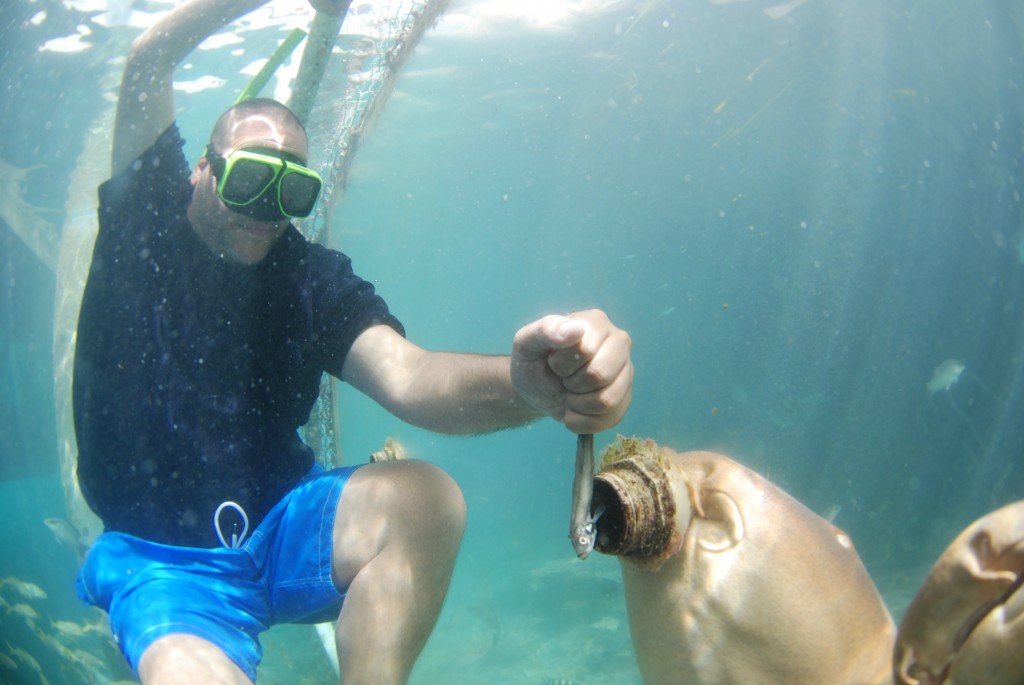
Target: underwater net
375, 43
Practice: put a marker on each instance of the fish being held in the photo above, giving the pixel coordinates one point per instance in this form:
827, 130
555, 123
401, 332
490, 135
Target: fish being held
945, 375
583, 523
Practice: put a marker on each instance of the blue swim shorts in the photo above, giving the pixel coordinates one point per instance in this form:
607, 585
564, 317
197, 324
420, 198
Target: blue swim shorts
228, 596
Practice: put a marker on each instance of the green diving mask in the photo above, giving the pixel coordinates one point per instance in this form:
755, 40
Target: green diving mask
267, 185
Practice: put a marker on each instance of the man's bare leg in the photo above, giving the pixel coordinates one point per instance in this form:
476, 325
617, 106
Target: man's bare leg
188, 660
396, 536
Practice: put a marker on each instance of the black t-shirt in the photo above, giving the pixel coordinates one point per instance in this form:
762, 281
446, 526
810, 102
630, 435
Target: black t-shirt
193, 373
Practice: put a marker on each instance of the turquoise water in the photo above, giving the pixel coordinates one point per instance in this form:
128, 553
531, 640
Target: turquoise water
796, 219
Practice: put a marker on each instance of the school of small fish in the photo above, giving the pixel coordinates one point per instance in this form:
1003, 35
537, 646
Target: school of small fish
74, 644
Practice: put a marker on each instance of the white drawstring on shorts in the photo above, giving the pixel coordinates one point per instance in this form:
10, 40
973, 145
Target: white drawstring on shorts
236, 540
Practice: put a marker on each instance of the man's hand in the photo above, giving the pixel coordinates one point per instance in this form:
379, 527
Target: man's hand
575, 368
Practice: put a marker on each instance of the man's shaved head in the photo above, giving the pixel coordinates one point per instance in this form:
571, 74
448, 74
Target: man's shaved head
254, 121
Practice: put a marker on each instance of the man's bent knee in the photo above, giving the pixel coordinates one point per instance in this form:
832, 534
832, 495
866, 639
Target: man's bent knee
395, 503
436, 495
397, 534
183, 659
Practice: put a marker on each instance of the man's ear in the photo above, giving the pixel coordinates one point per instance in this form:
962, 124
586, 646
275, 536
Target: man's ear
197, 171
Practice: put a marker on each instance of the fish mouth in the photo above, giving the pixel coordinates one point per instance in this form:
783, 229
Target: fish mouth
637, 508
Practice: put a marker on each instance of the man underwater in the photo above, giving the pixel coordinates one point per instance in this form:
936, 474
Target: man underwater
206, 324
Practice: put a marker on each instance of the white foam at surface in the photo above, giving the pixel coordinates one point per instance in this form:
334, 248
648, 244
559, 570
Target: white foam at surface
220, 40
199, 84
494, 16
68, 44
89, 6
135, 19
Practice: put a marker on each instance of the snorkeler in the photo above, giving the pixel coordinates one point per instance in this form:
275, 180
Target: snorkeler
206, 325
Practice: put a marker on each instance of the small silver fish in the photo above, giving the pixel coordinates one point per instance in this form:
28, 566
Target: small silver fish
945, 375
24, 588
53, 643
77, 630
583, 523
89, 661
27, 659
25, 611
67, 535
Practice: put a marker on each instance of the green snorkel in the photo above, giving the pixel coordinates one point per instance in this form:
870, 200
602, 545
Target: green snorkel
323, 32
278, 57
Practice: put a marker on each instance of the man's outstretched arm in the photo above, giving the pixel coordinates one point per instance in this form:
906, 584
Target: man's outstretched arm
575, 369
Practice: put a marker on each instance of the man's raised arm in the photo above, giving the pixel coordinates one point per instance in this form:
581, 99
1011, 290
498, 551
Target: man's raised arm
145, 106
